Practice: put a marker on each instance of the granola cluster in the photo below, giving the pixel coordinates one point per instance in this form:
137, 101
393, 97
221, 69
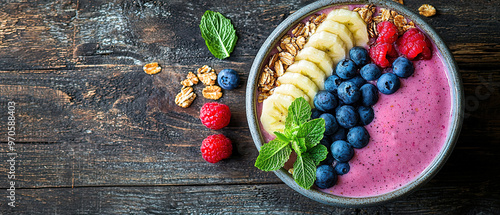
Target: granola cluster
288, 48
427, 10
152, 68
208, 77
368, 11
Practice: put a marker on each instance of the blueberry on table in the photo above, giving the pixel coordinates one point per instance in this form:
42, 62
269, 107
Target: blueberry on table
358, 81
315, 113
403, 67
325, 177
342, 168
341, 151
388, 83
369, 95
325, 101
332, 83
347, 116
358, 137
346, 69
370, 72
228, 79
366, 115
359, 55
341, 134
331, 124
348, 92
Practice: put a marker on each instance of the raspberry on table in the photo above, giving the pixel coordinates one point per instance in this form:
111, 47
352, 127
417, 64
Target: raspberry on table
414, 45
379, 54
214, 115
387, 32
216, 147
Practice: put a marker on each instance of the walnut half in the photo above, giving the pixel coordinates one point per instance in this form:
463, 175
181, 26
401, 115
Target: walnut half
427, 10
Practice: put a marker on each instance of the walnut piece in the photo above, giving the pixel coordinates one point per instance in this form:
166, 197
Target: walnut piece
151, 68
427, 10
190, 80
185, 98
207, 75
212, 92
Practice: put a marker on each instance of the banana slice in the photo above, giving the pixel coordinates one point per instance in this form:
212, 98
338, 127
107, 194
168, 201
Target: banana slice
329, 43
353, 21
339, 29
302, 82
274, 112
320, 58
291, 90
310, 70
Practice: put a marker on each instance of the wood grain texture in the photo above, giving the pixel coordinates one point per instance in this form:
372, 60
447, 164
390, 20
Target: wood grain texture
99, 136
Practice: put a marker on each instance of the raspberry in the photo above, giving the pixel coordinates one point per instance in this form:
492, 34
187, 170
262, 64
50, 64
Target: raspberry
214, 115
379, 54
215, 148
414, 45
387, 32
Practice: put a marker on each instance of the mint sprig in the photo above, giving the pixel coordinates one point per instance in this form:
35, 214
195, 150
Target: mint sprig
301, 135
219, 34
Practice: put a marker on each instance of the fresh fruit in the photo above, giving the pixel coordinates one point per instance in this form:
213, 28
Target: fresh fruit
326, 141
315, 113
369, 94
331, 124
342, 168
354, 22
329, 43
228, 79
402, 67
325, 177
339, 29
388, 83
415, 45
216, 147
332, 83
341, 151
380, 52
358, 137
320, 58
329, 159
358, 81
370, 72
366, 115
359, 55
310, 70
387, 32
325, 101
302, 82
346, 69
348, 92
214, 115
291, 90
341, 134
274, 112
347, 116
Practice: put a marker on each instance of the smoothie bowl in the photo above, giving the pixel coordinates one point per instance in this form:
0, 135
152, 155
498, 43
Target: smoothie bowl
385, 94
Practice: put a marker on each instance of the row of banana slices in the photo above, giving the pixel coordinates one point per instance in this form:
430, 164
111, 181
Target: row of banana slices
335, 36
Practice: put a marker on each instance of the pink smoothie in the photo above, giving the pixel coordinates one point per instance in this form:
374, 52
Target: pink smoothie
408, 132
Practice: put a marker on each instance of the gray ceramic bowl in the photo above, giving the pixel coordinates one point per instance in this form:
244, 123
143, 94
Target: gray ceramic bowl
455, 87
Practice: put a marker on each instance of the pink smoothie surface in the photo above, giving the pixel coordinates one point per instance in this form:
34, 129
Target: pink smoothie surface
408, 132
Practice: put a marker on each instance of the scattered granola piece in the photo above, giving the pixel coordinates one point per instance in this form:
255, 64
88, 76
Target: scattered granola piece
151, 68
427, 10
399, 1
185, 97
212, 92
207, 75
190, 80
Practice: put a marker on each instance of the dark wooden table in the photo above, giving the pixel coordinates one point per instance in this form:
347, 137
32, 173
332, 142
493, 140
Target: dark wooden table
96, 135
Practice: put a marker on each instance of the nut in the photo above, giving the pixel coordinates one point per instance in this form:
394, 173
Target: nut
212, 92
207, 75
151, 68
190, 80
427, 10
185, 98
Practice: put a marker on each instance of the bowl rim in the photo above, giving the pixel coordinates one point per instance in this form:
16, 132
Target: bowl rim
456, 89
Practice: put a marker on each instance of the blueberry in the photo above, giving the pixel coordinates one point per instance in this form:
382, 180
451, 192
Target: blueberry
332, 83
325, 101
346, 69
315, 113
369, 95
366, 115
347, 116
341, 134
358, 81
388, 83
403, 67
359, 55
348, 92
326, 141
329, 159
370, 72
340, 104
358, 137
228, 79
331, 124
342, 168
341, 151
325, 177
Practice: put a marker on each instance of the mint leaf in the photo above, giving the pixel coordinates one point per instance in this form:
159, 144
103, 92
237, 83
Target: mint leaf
317, 153
298, 113
299, 145
281, 137
312, 132
304, 171
218, 33
273, 155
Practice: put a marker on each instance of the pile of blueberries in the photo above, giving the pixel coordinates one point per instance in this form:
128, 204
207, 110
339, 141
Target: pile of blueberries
346, 106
